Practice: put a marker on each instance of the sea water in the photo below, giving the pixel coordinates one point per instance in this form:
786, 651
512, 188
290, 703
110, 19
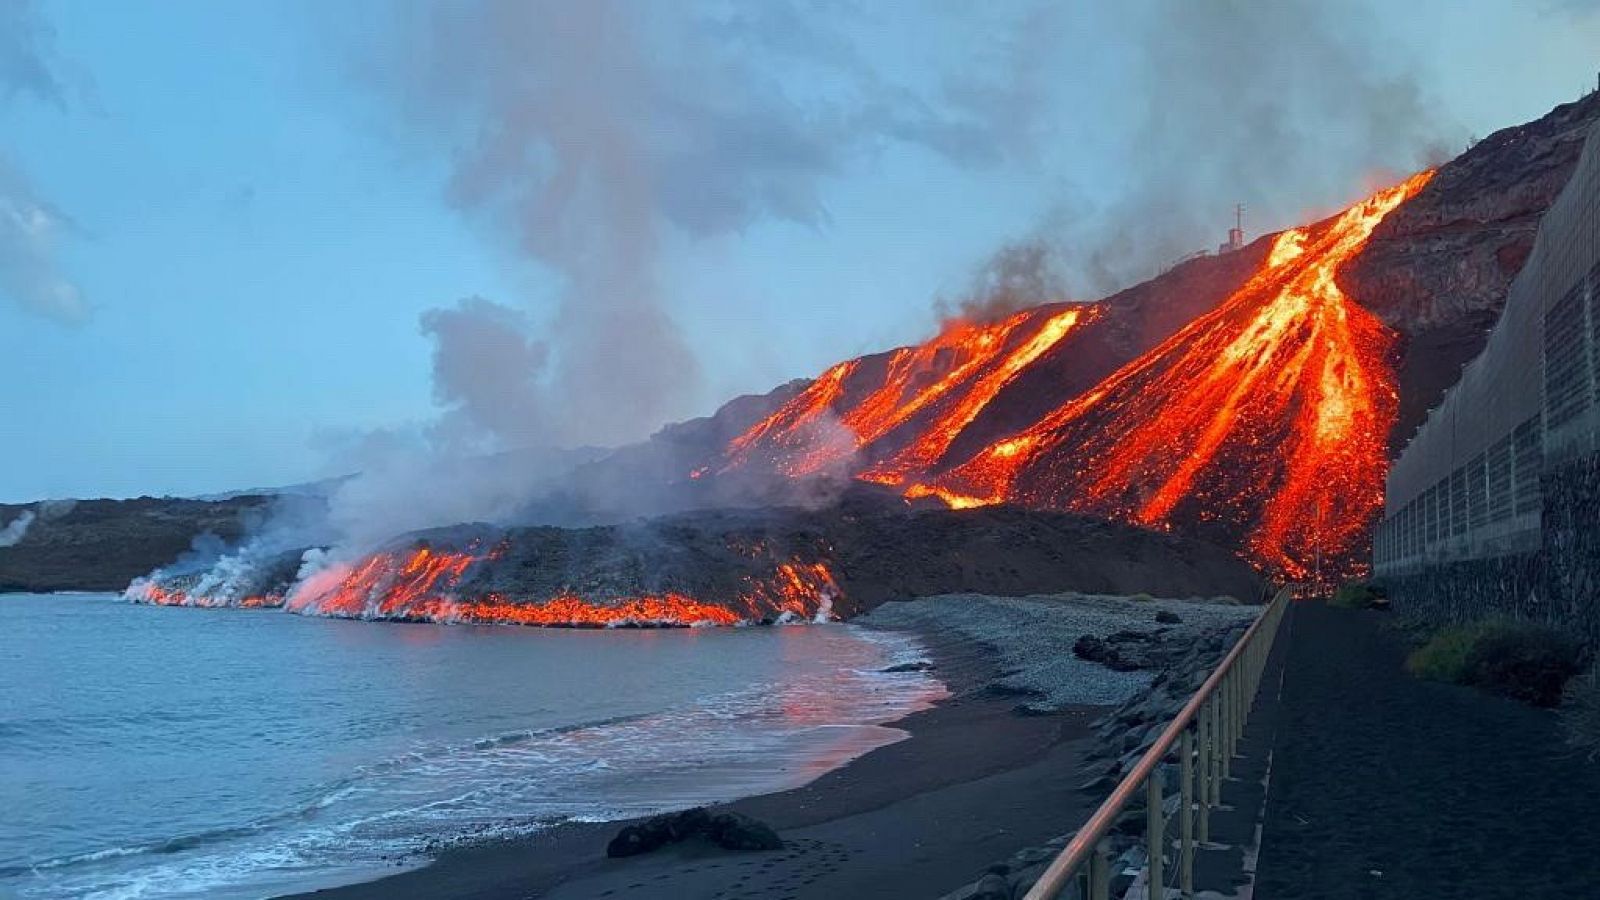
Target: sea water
161, 752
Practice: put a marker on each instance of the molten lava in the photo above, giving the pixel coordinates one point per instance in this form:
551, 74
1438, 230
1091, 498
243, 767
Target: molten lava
147, 591
949, 379
1261, 423
424, 584
931, 444
1267, 415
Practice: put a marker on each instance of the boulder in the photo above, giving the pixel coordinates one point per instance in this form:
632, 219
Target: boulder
734, 831
729, 830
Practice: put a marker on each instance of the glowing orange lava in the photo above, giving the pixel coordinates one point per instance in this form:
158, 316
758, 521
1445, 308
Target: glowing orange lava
145, 591
422, 585
933, 441
950, 379
1268, 414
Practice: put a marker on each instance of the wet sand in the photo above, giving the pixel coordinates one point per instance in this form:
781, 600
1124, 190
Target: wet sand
975, 782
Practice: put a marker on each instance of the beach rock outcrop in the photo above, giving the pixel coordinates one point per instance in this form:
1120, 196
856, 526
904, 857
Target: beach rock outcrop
1121, 736
728, 830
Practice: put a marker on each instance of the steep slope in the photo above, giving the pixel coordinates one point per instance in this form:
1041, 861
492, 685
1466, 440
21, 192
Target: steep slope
1263, 419
1256, 407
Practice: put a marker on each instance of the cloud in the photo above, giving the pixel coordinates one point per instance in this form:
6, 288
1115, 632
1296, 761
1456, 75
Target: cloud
1280, 106
30, 231
27, 54
30, 228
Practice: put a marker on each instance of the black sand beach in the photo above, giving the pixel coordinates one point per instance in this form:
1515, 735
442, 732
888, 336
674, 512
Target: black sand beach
974, 783
993, 770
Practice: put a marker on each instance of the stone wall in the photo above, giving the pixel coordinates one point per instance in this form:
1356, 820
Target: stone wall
1554, 585
1571, 543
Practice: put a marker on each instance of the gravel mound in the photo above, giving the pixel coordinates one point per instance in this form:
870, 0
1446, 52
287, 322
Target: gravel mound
1033, 637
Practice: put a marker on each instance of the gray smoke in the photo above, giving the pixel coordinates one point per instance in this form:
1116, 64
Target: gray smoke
1023, 273
44, 511
1292, 108
591, 132
13, 533
30, 228
585, 136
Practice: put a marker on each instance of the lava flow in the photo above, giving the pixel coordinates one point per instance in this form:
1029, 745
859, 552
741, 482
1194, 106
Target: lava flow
147, 591
1266, 416
424, 585
950, 378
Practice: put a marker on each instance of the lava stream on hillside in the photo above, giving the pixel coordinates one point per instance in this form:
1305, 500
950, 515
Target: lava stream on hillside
1267, 415
1260, 424
929, 392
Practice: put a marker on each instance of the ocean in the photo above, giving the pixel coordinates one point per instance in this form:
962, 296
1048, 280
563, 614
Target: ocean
162, 752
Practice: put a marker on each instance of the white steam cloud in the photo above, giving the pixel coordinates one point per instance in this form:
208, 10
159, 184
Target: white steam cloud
587, 135
12, 534
586, 132
45, 511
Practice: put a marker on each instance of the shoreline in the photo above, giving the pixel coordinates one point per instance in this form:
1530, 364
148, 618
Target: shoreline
926, 814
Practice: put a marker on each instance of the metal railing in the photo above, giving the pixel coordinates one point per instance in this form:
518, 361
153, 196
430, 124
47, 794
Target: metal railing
1205, 734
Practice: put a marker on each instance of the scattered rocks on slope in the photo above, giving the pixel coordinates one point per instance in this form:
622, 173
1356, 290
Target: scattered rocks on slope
1121, 737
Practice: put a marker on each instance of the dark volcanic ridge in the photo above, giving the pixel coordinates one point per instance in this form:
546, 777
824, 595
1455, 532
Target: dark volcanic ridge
719, 567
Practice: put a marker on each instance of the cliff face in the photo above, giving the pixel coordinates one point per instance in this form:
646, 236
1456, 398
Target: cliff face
1437, 270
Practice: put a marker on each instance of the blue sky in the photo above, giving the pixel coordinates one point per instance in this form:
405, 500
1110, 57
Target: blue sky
258, 202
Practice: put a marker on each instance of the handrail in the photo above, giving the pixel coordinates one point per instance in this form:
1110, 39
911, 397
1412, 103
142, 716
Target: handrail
1218, 710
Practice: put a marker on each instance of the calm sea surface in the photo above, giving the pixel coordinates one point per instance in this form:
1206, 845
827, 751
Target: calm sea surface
155, 752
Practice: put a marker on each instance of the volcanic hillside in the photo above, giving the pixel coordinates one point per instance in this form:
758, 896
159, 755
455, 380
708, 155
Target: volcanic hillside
1251, 398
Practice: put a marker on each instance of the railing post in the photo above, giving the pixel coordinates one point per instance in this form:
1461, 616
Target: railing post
1227, 713
1203, 726
1186, 813
1153, 837
1100, 873
1215, 716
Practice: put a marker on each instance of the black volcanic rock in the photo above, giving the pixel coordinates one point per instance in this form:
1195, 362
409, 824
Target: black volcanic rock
877, 549
101, 545
728, 830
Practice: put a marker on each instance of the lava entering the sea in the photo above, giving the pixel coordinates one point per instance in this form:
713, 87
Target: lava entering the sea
425, 584
145, 590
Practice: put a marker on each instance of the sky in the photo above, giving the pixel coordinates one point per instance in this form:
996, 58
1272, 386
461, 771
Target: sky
243, 243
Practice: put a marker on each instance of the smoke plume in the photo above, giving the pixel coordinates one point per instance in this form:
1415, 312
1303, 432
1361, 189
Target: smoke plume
1019, 275
1292, 109
44, 511
585, 137
590, 133
12, 534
